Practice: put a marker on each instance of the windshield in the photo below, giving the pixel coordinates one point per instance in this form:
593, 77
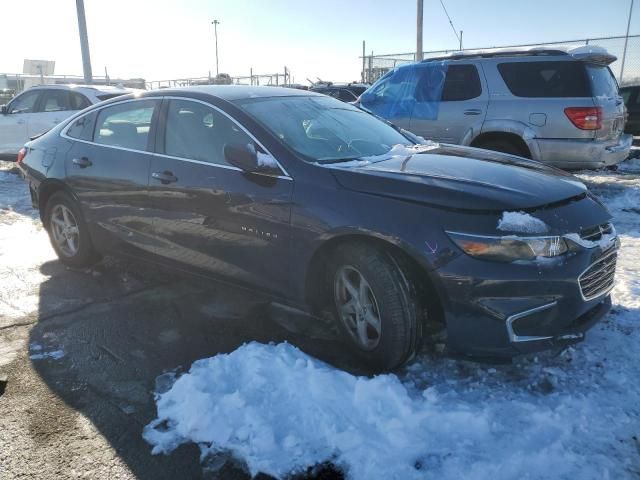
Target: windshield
323, 129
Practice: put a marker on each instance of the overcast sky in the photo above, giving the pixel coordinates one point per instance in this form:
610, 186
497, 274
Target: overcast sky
164, 39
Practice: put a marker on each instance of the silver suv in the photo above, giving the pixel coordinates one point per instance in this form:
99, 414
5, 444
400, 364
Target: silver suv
557, 106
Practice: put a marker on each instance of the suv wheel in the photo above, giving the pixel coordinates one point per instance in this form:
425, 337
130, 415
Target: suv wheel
68, 232
503, 146
374, 306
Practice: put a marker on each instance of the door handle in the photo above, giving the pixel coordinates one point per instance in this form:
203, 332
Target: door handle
473, 111
165, 177
83, 162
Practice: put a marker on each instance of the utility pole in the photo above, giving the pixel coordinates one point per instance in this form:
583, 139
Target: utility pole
460, 40
626, 40
215, 24
84, 43
419, 49
363, 64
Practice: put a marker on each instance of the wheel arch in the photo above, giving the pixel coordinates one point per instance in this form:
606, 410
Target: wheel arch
415, 271
46, 189
523, 135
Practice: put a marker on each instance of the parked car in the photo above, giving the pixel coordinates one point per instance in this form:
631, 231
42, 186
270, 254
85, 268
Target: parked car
328, 209
348, 92
560, 107
631, 96
39, 108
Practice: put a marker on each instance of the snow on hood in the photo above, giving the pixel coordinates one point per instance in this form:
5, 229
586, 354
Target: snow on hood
400, 150
520, 222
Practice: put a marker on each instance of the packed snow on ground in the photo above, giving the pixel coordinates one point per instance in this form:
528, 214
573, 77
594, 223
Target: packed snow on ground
571, 416
24, 247
521, 222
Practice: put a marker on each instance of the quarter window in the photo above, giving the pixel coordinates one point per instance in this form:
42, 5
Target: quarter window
125, 125
546, 79
82, 128
79, 101
25, 103
199, 132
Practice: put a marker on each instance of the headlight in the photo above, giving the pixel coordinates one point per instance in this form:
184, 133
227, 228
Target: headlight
510, 248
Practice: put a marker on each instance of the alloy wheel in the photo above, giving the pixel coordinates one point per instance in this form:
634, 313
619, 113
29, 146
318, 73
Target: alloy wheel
357, 307
64, 229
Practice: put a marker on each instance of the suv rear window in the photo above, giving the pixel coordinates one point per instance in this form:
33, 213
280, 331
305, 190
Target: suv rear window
602, 80
546, 79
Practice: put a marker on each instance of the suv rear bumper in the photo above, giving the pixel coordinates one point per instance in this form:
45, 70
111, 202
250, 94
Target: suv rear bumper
574, 154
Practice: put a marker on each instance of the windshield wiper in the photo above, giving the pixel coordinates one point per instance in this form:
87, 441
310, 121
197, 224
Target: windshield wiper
327, 161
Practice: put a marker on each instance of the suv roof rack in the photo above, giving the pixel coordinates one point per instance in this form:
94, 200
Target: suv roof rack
498, 53
587, 53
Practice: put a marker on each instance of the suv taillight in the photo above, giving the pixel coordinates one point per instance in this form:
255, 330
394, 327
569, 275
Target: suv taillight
585, 118
21, 154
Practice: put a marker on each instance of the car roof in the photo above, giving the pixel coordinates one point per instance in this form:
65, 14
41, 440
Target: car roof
238, 92
108, 89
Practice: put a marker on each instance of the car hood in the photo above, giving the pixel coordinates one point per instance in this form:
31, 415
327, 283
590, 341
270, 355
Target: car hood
465, 178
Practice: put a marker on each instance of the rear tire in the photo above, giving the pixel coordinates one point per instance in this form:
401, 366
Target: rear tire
68, 232
504, 146
374, 305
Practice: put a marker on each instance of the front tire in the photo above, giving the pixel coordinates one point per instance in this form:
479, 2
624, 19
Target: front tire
504, 146
68, 232
374, 305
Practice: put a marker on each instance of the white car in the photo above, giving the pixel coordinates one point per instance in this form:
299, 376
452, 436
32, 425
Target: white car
39, 108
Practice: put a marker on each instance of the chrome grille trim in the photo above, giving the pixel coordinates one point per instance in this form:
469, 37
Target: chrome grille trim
599, 278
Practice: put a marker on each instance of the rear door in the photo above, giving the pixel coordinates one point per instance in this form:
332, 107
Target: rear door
210, 215
107, 167
606, 96
13, 124
461, 110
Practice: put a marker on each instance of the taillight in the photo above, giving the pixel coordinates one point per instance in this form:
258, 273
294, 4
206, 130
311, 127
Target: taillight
21, 154
585, 118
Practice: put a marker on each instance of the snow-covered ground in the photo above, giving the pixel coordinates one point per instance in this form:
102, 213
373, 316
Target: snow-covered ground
572, 416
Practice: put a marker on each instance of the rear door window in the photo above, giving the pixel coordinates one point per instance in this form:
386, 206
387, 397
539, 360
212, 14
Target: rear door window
55, 101
546, 79
461, 83
602, 81
125, 124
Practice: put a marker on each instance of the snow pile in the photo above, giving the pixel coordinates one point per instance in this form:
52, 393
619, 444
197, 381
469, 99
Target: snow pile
521, 222
400, 150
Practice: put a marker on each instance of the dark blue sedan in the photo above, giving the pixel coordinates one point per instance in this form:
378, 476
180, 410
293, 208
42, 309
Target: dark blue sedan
329, 209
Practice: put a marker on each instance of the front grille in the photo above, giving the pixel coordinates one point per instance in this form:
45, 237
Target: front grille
593, 234
599, 277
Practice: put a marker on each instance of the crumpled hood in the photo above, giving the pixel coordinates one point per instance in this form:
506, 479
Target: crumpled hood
462, 178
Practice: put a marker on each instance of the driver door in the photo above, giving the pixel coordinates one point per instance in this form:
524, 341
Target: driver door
14, 124
213, 216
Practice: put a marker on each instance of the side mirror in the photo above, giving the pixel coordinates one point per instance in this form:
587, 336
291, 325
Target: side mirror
242, 156
4, 110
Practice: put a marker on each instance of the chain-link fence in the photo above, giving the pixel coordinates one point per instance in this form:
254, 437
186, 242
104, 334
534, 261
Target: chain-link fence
626, 68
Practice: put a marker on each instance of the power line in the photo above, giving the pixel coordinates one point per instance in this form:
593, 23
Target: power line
455, 32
